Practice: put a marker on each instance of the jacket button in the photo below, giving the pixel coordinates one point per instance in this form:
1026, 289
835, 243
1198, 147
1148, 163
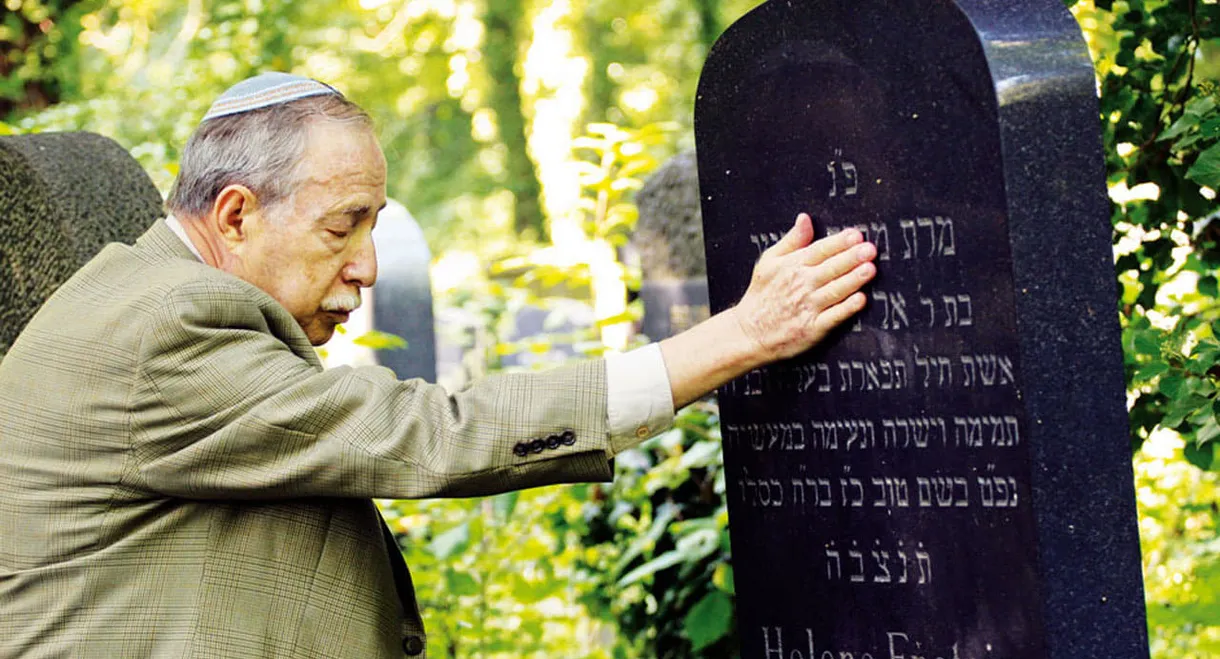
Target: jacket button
569, 437
413, 646
537, 445
553, 442
520, 450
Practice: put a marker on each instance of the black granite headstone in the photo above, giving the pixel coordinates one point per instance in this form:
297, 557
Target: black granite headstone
63, 196
402, 297
950, 477
668, 242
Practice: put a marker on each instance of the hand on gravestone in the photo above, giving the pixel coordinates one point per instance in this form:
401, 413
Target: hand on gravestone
799, 292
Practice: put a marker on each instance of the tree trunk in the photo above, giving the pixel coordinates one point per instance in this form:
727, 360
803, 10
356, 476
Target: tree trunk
709, 21
601, 88
500, 51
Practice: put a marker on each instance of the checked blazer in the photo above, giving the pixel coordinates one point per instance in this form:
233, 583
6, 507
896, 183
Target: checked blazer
179, 477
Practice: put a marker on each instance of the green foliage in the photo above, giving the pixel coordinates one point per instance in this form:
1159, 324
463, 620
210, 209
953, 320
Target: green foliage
38, 52
381, 341
1158, 72
1162, 127
1178, 531
496, 577
658, 544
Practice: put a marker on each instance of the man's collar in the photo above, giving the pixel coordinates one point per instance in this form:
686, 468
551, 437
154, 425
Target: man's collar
176, 226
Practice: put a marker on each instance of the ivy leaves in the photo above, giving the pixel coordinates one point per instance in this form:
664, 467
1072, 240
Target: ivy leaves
1176, 375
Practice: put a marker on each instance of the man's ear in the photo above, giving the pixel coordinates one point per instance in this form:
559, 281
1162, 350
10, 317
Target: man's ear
234, 207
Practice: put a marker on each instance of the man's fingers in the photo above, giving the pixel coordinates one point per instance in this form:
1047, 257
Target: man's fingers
830, 246
838, 289
842, 263
838, 314
797, 237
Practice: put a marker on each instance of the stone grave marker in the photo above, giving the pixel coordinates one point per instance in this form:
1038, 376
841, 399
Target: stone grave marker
949, 478
63, 196
401, 300
668, 241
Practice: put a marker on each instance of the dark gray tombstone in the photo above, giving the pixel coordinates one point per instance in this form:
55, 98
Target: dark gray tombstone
549, 335
951, 477
402, 297
63, 196
668, 242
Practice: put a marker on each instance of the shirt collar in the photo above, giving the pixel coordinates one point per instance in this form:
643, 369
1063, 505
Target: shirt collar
176, 226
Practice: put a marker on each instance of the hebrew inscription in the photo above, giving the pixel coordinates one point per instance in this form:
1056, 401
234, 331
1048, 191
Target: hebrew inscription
903, 447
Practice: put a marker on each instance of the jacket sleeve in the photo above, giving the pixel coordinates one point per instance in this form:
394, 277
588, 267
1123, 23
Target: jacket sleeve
221, 408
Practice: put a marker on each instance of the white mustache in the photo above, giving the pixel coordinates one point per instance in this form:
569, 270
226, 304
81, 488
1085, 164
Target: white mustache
343, 303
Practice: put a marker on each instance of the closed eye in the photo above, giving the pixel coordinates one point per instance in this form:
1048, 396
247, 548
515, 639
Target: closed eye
337, 234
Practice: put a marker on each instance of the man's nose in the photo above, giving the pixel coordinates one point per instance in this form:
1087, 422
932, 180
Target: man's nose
362, 269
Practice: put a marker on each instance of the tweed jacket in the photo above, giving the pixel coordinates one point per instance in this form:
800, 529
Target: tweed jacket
179, 477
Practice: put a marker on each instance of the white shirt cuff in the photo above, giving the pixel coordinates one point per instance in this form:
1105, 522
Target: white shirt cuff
639, 401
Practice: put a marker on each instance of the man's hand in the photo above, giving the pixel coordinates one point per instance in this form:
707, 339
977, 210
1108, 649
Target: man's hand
799, 292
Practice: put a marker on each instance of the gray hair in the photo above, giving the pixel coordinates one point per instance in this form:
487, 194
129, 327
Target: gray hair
261, 149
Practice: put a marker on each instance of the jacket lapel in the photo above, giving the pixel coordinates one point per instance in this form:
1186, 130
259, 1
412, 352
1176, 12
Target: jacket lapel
402, 576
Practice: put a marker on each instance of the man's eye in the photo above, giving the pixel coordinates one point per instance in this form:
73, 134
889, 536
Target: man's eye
337, 234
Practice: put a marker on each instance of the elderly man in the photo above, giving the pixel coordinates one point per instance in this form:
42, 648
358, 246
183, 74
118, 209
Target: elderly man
179, 477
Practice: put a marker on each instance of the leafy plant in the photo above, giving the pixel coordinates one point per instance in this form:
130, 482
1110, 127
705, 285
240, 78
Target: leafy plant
658, 544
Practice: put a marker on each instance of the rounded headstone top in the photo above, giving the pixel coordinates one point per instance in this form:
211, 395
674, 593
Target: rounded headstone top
669, 233
63, 196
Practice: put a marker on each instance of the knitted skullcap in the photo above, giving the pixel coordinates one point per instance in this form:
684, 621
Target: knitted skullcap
265, 90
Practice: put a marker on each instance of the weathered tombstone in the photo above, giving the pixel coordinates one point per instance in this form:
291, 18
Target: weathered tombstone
63, 196
668, 240
951, 477
402, 299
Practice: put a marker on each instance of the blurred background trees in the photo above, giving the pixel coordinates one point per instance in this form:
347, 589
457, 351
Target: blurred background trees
516, 132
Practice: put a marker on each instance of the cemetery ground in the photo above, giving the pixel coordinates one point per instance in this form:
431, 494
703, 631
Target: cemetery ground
517, 133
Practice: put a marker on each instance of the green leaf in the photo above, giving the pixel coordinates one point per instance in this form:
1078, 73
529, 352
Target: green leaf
1151, 370
1183, 124
1148, 342
460, 583
1207, 286
381, 341
709, 620
1170, 385
1206, 170
1180, 408
662, 562
1208, 432
698, 545
451, 542
1200, 456
502, 505
701, 454
665, 515
1200, 106
722, 578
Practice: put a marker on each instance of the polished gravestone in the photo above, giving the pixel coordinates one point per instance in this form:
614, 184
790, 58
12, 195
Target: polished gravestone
949, 477
668, 243
63, 196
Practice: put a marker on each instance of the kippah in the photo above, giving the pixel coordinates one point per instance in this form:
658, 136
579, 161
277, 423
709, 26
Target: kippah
264, 90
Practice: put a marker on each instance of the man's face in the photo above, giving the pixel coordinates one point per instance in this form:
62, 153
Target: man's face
314, 251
